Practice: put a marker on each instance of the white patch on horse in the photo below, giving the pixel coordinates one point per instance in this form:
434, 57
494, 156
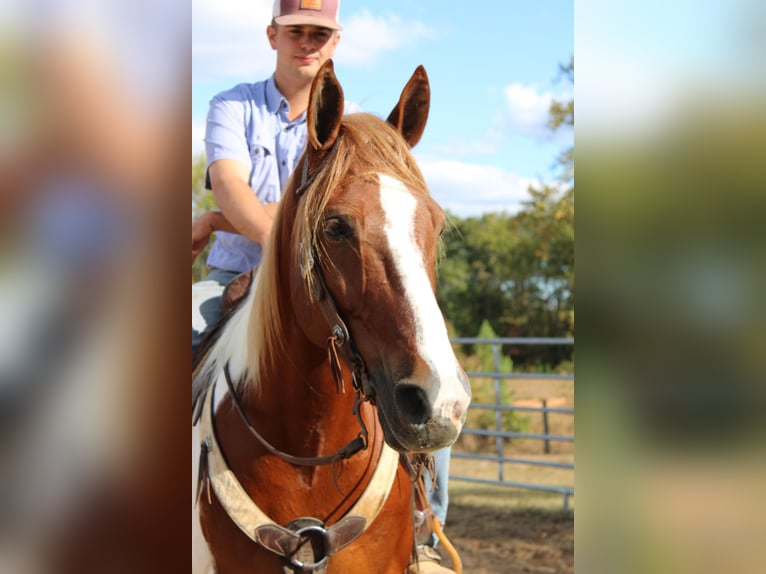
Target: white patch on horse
431, 333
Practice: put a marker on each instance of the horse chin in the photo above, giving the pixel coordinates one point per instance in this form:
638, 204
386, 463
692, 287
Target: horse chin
426, 437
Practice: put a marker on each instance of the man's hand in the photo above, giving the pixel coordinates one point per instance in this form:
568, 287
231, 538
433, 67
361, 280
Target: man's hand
201, 232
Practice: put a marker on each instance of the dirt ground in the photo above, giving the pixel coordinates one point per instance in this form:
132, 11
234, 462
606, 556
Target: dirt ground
510, 541
503, 530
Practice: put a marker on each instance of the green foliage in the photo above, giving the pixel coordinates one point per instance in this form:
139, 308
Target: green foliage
516, 270
489, 359
561, 113
484, 390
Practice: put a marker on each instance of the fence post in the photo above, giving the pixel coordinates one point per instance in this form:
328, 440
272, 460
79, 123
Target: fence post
498, 412
547, 443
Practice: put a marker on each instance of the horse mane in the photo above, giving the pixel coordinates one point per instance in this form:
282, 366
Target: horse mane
252, 339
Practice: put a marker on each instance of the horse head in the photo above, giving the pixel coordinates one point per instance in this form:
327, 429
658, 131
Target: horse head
365, 235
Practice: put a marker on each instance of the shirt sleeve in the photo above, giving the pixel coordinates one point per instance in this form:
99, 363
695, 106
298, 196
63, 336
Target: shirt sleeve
225, 131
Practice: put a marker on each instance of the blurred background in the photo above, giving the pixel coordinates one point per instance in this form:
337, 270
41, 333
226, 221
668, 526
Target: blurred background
94, 127
670, 252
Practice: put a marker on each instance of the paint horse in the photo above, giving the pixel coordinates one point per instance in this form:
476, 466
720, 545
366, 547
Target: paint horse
337, 358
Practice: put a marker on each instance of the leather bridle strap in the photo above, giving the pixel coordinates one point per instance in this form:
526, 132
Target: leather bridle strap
339, 331
341, 338
354, 446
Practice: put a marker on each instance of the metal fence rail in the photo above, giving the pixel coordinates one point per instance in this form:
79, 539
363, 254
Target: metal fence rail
499, 407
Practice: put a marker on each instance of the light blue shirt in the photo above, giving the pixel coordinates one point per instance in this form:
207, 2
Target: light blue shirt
249, 124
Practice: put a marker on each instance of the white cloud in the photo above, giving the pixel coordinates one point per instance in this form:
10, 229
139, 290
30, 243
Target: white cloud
229, 40
527, 110
468, 189
367, 37
524, 113
637, 98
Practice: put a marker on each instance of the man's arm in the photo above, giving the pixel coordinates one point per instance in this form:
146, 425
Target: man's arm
241, 209
204, 226
226, 177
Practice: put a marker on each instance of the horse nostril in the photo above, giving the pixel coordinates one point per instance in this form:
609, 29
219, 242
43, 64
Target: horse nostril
413, 403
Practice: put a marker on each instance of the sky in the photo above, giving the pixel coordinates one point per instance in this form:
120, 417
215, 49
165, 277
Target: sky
493, 75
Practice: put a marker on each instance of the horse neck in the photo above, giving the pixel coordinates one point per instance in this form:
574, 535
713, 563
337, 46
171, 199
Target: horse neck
298, 401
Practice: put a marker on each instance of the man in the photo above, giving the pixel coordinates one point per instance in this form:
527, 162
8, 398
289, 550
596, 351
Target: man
255, 135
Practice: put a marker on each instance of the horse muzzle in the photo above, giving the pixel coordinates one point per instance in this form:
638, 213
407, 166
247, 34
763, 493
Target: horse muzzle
425, 415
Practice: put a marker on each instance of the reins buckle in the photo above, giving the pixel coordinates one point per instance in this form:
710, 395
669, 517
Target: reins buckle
339, 335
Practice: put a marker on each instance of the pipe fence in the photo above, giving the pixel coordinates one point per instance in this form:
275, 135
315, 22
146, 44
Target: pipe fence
501, 434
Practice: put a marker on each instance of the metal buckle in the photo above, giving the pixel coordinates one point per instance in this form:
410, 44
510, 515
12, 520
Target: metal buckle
312, 528
340, 335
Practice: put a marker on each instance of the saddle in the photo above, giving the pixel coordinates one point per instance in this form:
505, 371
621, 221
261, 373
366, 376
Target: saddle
233, 294
236, 290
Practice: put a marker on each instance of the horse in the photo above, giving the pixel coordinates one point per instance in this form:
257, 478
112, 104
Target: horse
335, 361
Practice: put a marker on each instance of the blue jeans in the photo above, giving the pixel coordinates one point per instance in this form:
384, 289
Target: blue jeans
438, 497
206, 302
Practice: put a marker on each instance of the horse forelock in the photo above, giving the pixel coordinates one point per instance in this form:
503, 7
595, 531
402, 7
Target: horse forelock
365, 148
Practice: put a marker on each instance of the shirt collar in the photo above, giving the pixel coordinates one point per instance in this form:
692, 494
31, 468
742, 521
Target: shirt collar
276, 102
274, 97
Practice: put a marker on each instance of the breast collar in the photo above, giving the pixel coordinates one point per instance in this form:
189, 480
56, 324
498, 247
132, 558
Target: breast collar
286, 541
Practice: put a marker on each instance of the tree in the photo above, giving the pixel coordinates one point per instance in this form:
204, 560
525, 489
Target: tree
518, 270
561, 114
202, 201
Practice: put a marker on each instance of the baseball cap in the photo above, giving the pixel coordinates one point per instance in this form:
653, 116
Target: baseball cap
307, 12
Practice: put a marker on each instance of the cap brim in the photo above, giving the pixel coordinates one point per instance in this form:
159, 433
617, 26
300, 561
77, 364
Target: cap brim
301, 20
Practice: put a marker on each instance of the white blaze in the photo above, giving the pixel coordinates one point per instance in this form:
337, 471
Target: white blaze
431, 333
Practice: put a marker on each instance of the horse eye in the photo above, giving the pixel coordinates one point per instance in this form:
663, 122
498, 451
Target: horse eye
337, 229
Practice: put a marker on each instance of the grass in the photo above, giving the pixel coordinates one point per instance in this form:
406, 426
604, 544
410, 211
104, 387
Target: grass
486, 495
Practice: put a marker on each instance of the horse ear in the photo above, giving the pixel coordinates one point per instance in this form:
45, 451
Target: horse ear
325, 108
410, 114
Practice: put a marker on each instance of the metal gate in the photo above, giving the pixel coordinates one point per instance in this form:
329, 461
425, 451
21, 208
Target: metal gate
499, 379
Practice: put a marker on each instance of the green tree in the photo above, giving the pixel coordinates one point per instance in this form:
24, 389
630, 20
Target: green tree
561, 115
518, 270
484, 391
202, 201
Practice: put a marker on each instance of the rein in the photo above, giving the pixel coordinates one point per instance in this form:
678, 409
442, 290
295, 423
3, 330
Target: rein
339, 331
354, 446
